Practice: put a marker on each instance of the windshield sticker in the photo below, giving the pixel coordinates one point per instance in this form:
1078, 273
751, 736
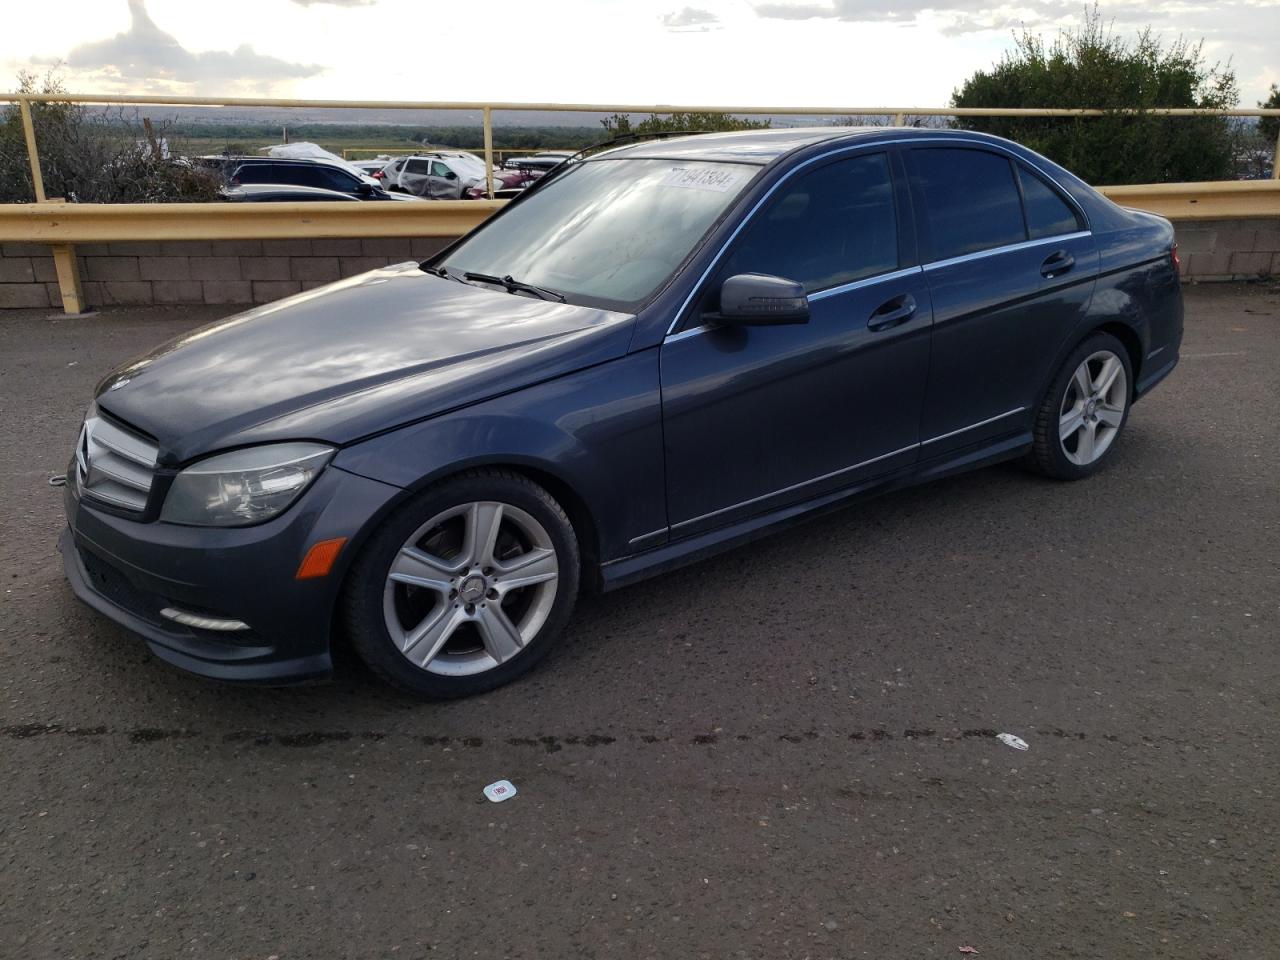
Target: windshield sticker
719, 179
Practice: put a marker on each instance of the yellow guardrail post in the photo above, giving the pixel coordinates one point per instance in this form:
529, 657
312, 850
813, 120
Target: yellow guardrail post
64, 261
899, 120
64, 254
29, 131
488, 151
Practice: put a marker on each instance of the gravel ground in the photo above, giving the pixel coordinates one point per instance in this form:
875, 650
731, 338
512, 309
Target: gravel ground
785, 752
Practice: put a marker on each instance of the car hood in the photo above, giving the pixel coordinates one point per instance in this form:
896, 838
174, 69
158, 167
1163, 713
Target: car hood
351, 359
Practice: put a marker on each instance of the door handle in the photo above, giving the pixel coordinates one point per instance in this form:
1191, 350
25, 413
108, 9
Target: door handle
1056, 264
892, 312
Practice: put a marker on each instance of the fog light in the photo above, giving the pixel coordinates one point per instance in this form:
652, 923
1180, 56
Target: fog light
202, 623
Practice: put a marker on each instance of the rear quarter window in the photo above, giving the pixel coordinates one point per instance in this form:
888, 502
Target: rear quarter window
1048, 214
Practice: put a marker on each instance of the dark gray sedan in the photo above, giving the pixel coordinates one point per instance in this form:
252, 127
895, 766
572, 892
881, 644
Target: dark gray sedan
654, 354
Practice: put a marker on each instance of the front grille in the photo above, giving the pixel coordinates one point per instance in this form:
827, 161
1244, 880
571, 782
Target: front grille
115, 465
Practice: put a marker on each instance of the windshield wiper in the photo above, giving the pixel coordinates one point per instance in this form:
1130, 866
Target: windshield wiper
442, 272
511, 285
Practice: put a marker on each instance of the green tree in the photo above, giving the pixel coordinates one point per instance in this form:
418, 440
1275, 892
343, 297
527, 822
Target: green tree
92, 156
1092, 67
1269, 127
620, 124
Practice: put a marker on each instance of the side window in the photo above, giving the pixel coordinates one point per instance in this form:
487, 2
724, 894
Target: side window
438, 169
257, 173
831, 226
337, 180
1048, 215
421, 167
303, 176
971, 200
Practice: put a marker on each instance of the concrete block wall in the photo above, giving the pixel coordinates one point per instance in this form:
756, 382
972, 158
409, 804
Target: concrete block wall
217, 271
258, 271
1229, 249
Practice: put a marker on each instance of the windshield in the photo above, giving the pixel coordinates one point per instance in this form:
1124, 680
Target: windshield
610, 230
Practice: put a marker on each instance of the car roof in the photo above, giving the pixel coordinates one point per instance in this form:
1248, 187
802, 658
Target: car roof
291, 161
763, 146
267, 189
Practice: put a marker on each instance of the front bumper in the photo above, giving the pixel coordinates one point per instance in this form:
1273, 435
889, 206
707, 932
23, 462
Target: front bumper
129, 571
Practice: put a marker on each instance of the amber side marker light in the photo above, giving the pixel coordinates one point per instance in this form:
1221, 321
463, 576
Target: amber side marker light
320, 559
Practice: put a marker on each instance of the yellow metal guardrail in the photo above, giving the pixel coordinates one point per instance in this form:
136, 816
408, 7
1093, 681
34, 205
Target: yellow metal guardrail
64, 224
69, 223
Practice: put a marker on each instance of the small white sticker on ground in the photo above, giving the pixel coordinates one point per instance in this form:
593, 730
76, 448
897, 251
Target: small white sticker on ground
717, 178
502, 790
1009, 740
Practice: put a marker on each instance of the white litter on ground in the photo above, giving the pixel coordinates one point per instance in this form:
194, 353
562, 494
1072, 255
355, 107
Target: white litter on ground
504, 790
1009, 740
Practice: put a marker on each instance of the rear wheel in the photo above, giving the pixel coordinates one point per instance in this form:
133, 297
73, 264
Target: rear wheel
1084, 410
466, 587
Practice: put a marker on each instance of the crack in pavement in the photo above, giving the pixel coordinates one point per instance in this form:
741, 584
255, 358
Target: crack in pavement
547, 742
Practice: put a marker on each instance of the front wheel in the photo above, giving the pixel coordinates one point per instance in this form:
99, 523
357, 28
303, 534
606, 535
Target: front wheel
1084, 410
466, 587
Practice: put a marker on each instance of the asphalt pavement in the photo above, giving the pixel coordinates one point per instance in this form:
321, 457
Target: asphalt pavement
785, 752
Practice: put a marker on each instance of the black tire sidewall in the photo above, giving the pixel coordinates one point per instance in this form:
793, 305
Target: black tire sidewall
363, 601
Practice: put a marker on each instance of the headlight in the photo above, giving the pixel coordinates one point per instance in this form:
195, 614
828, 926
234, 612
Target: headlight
245, 486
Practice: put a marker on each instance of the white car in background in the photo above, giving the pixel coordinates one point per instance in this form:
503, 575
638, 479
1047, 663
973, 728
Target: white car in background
439, 175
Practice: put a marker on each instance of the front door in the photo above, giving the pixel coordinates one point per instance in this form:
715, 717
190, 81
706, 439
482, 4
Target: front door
757, 417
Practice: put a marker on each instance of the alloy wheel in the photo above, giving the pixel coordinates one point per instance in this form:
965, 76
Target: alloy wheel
1093, 407
471, 588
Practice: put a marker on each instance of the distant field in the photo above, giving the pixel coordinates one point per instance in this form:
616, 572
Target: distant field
356, 142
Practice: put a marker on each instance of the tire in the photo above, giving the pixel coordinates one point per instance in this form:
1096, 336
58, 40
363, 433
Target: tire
465, 588
1084, 411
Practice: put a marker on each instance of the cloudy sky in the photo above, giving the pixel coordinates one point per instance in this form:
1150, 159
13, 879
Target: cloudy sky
770, 52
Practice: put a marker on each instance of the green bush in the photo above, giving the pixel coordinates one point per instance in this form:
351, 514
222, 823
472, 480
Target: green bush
620, 124
92, 157
1091, 67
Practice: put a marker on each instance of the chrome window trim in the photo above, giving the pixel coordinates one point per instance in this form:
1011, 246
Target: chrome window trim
972, 426
906, 142
864, 282
816, 295
683, 334
1006, 248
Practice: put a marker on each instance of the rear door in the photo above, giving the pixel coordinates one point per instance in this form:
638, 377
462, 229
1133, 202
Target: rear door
1011, 268
416, 178
758, 417
445, 182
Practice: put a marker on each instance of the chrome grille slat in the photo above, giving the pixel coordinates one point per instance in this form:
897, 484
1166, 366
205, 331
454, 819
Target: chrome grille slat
115, 465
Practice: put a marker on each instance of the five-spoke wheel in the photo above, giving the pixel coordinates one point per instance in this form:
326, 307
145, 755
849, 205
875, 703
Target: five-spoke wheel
1084, 409
1093, 407
470, 588
465, 587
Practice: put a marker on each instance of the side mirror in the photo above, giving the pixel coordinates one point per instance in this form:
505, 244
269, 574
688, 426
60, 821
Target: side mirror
364, 188
451, 175
759, 299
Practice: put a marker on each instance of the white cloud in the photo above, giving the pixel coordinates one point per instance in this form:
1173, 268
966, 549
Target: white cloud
145, 53
837, 53
690, 18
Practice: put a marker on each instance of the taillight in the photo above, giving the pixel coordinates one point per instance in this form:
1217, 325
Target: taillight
1177, 261
377, 174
